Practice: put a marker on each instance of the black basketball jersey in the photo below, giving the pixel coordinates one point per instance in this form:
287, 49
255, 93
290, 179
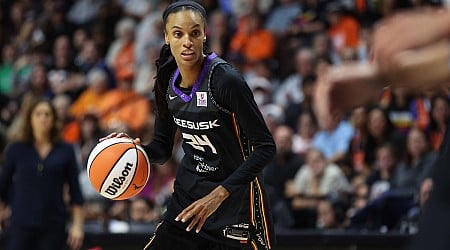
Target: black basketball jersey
218, 152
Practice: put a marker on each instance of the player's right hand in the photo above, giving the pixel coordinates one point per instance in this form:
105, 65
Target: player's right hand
136, 141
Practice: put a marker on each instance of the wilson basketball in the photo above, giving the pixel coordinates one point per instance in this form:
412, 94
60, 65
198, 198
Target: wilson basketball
117, 168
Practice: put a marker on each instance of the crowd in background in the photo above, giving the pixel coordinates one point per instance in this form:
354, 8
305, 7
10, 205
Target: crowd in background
94, 59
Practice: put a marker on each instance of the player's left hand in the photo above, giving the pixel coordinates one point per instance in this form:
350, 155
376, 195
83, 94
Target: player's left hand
201, 209
75, 237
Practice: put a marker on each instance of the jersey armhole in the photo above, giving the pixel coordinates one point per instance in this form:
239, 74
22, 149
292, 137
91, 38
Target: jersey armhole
218, 106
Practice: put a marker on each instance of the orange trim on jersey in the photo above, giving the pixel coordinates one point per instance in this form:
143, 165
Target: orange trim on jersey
255, 247
251, 204
236, 132
263, 213
153, 236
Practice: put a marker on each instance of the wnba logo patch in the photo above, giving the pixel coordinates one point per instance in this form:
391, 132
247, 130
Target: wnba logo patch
202, 101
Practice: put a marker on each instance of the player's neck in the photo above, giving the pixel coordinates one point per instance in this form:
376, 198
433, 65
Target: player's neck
190, 74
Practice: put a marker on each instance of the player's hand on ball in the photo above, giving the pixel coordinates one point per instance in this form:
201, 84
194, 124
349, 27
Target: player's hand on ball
201, 209
136, 141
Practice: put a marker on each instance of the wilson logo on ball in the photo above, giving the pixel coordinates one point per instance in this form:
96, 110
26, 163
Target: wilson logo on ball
118, 182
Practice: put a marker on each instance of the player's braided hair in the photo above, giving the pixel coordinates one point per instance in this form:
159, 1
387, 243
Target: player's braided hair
166, 64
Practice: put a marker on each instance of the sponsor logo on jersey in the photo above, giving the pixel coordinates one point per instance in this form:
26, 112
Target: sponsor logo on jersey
204, 125
171, 97
202, 101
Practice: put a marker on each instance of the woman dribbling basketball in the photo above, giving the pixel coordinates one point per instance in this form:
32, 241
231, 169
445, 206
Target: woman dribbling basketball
218, 200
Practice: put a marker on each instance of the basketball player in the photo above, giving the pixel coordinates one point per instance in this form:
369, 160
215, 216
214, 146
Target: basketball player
218, 200
410, 50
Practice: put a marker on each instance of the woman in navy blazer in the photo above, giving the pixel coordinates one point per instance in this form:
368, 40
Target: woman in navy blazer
37, 166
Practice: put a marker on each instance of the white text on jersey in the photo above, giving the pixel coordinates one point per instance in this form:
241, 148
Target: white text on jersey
196, 125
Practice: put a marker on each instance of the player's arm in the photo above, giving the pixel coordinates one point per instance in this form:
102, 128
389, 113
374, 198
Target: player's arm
160, 149
232, 92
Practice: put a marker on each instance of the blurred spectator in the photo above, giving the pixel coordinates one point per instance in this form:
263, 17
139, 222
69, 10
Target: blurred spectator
70, 129
90, 99
146, 71
79, 36
143, 210
290, 90
383, 175
136, 9
278, 172
311, 20
334, 141
322, 47
365, 44
410, 222
7, 69
120, 55
273, 116
331, 214
343, 30
83, 12
251, 42
417, 164
53, 23
122, 106
118, 216
439, 114
356, 153
306, 129
148, 34
89, 59
63, 76
244, 7
380, 131
218, 32
281, 17
36, 169
399, 110
261, 88
314, 180
420, 109
293, 110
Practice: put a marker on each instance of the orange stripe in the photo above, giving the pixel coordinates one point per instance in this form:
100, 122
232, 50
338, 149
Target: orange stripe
236, 132
264, 213
254, 245
153, 236
251, 203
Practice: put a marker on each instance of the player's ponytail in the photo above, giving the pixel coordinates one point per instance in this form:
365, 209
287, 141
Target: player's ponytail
165, 66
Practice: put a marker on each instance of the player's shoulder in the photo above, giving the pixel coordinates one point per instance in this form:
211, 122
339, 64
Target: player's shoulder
225, 75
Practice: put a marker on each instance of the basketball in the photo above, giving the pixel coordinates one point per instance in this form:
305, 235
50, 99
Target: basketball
117, 168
